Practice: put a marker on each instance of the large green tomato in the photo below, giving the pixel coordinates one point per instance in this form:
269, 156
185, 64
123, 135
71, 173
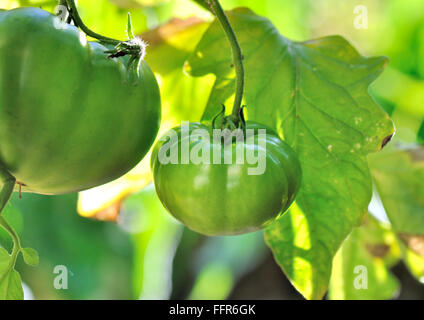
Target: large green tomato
69, 118
225, 199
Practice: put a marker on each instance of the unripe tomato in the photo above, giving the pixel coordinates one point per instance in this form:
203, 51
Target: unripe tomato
69, 118
225, 199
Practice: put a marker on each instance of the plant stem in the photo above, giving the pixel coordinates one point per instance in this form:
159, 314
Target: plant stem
16, 241
5, 193
8, 182
217, 10
78, 22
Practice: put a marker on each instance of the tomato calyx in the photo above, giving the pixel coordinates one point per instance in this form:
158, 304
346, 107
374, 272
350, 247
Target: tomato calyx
231, 122
134, 47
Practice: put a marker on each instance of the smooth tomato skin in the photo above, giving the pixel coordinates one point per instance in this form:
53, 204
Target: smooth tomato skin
223, 199
69, 119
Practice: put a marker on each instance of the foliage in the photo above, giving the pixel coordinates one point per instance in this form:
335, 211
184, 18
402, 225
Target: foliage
315, 94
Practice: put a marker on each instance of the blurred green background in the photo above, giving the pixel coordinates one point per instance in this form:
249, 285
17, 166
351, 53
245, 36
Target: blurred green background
147, 254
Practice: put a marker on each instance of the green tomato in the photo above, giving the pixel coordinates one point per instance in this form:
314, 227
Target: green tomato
69, 118
225, 198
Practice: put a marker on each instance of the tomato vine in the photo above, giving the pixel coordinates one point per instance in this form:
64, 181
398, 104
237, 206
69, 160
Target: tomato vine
216, 9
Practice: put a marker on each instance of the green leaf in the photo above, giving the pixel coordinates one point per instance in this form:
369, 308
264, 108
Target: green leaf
361, 267
30, 257
11, 286
315, 94
10, 280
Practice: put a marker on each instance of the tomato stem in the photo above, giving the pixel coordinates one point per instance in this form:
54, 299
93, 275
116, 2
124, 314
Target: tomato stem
78, 22
216, 8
